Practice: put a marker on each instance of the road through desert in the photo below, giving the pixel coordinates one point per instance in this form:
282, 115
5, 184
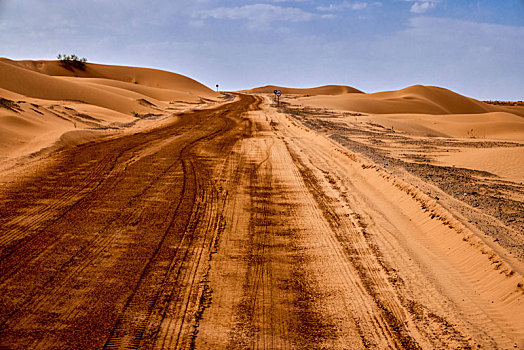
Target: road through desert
241, 226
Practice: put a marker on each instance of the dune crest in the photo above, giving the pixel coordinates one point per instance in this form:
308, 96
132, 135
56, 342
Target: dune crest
415, 99
42, 100
320, 90
428, 111
141, 76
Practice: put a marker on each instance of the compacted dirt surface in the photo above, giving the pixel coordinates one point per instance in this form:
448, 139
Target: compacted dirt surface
245, 226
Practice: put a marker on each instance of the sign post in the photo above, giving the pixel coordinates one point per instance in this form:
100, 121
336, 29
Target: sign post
217, 87
277, 93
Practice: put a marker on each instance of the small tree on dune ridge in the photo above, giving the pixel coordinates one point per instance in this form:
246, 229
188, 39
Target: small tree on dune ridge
70, 62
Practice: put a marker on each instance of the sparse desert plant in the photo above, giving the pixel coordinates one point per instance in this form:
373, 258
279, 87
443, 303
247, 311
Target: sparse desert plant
10, 105
506, 103
70, 62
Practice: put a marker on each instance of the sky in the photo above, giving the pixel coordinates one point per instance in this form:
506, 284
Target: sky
475, 48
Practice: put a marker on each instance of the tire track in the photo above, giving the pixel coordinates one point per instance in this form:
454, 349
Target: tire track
119, 337
74, 257
188, 211
277, 303
124, 242
41, 217
373, 280
432, 323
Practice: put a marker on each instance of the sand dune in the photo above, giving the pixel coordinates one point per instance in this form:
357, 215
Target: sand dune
41, 86
492, 125
50, 100
321, 90
135, 75
414, 99
160, 94
428, 111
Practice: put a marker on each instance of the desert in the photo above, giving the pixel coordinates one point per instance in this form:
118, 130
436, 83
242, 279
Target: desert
141, 209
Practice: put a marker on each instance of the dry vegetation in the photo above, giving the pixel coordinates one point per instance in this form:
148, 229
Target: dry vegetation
505, 103
71, 62
9, 105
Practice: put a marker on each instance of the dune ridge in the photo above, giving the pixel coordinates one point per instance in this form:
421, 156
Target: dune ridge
51, 100
41, 86
415, 99
136, 75
320, 90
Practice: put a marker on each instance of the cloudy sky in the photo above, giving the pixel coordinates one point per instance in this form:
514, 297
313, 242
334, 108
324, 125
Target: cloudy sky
473, 47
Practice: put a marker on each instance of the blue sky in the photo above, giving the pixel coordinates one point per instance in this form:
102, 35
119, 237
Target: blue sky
472, 47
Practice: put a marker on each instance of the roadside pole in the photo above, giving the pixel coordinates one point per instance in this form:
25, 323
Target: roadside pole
277, 93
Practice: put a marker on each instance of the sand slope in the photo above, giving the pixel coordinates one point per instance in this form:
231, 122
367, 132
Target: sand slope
135, 75
41, 100
492, 125
320, 90
414, 99
41, 86
160, 94
505, 162
428, 111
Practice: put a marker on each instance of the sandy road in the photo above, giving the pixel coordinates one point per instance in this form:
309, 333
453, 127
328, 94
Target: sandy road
323, 249
237, 227
107, 246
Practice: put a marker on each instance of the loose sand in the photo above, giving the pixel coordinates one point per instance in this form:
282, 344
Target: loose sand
42, 101
321, 90
433, 114
416, 99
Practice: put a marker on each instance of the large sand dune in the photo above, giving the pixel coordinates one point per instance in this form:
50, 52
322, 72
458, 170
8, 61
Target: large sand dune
48, 100
41, 86
416, 99
141, 76
427, 111
320, 90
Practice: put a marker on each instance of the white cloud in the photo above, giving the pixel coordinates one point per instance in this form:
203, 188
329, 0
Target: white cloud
348, 6
452, 29
259, 14
423, 6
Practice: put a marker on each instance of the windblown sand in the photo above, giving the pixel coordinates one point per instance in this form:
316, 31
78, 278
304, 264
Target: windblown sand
44, 101
432, 113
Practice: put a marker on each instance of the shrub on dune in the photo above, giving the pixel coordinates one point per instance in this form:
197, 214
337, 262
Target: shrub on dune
70, 62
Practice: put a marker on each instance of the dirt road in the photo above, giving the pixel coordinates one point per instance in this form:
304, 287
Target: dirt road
239, 227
